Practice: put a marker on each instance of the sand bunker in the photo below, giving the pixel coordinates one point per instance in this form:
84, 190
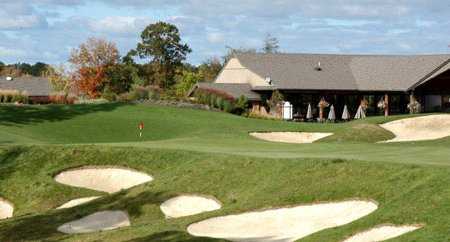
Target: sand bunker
6, 209
381, 233
76, 202
103, 179
100, 221
283, 224
187, 205
290, 137
420, 128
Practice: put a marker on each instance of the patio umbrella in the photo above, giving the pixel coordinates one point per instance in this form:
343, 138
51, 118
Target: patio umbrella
360, 113
309, 112
332, 114
345, 113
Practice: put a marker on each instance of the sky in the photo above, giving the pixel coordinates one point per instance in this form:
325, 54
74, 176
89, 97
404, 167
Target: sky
47, 30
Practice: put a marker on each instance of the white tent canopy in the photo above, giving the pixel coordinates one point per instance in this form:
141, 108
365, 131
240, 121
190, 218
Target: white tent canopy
360, 114
345, 113
309, 112
332, 114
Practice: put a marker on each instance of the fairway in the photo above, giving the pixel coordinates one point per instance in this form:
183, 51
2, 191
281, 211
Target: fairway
188, 151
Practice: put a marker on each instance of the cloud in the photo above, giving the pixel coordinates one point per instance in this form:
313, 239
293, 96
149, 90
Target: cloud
216, 37
119, 24
6, 52
325, 26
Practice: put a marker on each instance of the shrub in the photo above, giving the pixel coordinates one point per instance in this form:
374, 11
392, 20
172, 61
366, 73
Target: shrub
140, 93
61, 99
222, 102
109, 95
13, 96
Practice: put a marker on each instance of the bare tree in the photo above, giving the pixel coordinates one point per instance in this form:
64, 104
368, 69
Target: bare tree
270, 44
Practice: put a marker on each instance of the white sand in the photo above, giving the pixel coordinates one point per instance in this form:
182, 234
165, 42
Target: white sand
186, 205
103, 179
420, 128
6, 209
100, 221
381, 233
283, 224
76, 202
290, 137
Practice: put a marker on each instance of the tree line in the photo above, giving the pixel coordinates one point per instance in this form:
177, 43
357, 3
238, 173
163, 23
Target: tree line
157, 64
19, 69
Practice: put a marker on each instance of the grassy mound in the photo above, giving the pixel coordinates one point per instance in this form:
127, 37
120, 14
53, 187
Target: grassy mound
406, 194
200, 152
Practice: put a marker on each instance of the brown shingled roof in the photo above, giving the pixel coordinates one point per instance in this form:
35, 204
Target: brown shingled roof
34, 86
343, 72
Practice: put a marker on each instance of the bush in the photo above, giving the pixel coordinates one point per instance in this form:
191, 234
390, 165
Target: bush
223, 103
109, 95
140, 93
13, 96
61, 99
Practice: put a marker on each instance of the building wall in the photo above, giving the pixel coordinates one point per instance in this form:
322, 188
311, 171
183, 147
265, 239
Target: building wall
433, 103
234, 72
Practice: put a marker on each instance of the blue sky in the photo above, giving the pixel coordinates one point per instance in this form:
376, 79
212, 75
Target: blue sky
46, 30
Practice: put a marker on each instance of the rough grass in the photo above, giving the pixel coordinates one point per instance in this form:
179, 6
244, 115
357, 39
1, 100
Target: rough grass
194, 151
406, 193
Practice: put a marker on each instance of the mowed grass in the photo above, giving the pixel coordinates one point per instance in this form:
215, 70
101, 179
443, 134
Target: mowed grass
206, 131
205, 152
407, 194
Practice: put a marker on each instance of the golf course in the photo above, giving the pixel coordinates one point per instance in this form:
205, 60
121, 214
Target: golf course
184, 151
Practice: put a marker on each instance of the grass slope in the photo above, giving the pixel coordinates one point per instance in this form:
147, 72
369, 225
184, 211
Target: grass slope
194, 151
406, 193
197, 130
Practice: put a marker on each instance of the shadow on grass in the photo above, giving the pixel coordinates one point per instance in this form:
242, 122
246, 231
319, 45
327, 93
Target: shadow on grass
173, 236
43, 227
17, 115
8, 160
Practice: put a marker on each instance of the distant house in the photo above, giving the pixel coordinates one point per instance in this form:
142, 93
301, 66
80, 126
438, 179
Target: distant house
340, 79
38, 89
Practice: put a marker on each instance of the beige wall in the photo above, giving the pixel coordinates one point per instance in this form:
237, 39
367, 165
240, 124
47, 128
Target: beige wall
234, 72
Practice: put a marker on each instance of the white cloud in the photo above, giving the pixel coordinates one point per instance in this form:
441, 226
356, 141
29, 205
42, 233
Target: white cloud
20, 22
6, 52
215, 37
119, 24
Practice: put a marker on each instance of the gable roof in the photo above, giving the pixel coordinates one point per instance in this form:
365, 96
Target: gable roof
231, 89
34, 86
343, 72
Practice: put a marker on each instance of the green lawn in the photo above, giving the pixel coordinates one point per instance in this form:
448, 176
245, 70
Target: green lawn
195, 151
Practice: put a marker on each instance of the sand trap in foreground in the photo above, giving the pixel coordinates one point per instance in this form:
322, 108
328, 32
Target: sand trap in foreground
6, 209
420, 128
381, 233
76, 202
103, 179
290, 137
100, 221
186, 205
283, 224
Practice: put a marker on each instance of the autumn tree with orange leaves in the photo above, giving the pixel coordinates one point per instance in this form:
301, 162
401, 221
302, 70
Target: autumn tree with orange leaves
91, 61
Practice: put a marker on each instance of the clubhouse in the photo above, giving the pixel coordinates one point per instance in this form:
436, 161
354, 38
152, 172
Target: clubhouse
340, 79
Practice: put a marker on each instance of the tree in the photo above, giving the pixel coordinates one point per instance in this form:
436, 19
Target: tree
91, 60
2, 65
38, 69
95, 53
210, 69
120, 77
186, 82
232, 52
270, 44
59, 79
161, 43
